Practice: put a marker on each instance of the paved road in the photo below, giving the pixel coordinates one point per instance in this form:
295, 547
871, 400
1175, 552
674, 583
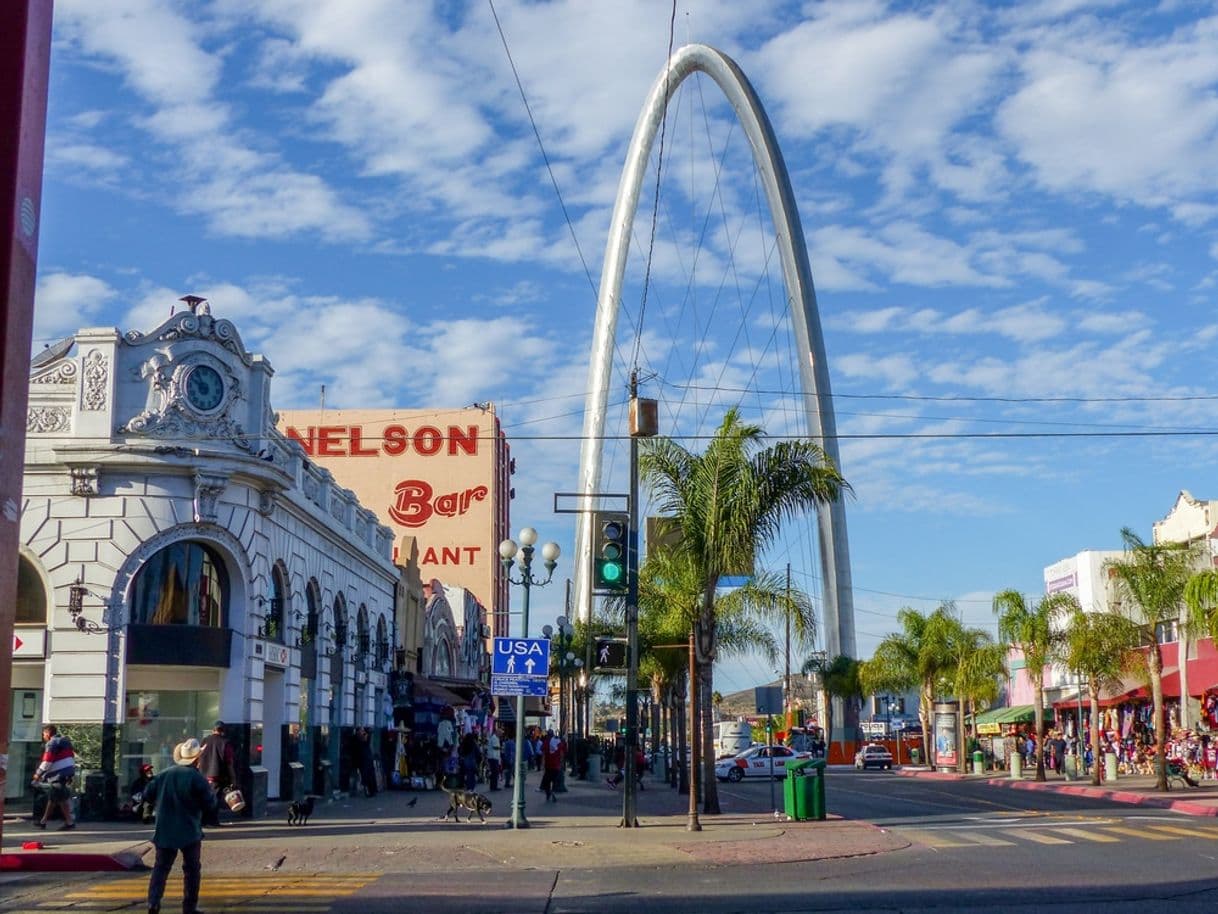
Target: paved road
947, 846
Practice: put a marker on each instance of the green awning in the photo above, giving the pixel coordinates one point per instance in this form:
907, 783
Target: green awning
1018, 714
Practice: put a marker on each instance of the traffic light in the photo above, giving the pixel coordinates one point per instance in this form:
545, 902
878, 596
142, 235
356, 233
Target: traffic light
609, 557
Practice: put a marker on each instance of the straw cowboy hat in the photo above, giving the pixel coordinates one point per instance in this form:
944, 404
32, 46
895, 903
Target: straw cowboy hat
187, 753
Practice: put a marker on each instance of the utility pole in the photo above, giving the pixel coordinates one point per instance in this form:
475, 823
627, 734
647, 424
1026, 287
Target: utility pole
786, 676
643, 424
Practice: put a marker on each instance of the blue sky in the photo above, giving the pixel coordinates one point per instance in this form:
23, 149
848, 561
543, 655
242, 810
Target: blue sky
1010, 212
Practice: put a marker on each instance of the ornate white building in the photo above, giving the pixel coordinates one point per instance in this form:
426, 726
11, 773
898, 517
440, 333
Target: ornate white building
183, 562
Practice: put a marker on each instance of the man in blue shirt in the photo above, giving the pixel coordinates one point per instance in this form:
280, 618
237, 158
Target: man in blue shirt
180, 795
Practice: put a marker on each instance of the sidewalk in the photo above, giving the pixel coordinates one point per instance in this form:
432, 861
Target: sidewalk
1136, 790
387, 834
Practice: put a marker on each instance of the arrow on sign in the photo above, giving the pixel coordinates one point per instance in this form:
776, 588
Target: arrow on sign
528, 665
17, 642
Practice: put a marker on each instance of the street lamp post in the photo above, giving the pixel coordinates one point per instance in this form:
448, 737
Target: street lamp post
523, 556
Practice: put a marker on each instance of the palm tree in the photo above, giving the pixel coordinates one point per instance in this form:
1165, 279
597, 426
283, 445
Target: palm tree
1030, 628
728, 503
669, 603
1099, 646
976, 664
1150, 580
839, 678
915, 657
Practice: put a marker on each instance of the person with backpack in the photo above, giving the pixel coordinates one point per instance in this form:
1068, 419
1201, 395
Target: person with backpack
55, 772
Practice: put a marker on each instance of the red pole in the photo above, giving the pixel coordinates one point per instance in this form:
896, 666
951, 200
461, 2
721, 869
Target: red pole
25, 51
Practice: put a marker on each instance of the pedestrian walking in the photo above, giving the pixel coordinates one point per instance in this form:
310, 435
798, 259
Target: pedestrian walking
181, 796
218, 764
470, 757
494, 762
509, 755
362, 746
55, 772
553, 751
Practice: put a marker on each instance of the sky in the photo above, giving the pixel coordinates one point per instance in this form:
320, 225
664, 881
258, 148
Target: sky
1011, 214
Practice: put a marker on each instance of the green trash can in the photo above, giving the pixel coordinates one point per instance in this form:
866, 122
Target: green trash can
915, 756
804, 790
978, 762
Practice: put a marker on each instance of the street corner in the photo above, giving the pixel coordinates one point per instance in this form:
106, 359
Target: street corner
798, 842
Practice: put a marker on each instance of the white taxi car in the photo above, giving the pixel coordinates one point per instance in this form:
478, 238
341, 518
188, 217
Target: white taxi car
757, 762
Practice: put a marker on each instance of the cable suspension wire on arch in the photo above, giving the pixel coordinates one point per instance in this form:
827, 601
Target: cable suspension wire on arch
797, 307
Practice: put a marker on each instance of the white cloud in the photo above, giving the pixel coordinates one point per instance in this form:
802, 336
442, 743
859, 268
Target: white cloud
66, 302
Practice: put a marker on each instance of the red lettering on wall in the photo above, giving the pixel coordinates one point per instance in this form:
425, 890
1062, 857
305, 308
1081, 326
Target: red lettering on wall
428, 440
450, 555
357, 441
466, 441
413, 504
306, 443
330, 441
395, 440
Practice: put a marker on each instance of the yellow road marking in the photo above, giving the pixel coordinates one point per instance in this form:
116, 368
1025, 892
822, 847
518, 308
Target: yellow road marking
932, 839
1140, 833
1028, 835
1086, 835
1187, 832
978, 837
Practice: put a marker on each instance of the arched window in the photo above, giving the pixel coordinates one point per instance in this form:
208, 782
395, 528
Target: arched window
382, 640
31, 595
340, 622
313, 600
361, 630
183, 584
274, 619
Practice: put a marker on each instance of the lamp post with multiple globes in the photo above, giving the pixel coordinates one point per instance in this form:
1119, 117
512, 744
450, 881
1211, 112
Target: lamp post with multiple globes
522, 556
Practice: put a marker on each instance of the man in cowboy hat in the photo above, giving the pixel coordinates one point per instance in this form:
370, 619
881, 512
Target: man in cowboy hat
180, 795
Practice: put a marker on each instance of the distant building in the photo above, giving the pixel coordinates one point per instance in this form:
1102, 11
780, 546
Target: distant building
440, 476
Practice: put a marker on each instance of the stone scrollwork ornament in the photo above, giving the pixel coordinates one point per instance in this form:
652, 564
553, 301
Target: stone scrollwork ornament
208, 487
96, 382
47, 419
85, 481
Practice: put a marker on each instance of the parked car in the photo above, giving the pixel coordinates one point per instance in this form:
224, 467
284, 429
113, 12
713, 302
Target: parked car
873, 756
757, 762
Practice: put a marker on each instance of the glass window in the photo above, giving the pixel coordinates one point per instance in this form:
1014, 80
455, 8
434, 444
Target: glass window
155, 722
361, 629
183, 584
31, 595
274, 619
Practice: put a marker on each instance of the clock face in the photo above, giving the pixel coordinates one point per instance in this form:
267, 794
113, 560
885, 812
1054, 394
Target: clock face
204, 388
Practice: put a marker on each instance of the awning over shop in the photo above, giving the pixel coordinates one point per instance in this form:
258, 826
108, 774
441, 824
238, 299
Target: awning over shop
1016, 714
431, 692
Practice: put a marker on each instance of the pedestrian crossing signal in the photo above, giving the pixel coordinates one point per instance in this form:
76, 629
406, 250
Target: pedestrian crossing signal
610, 653
609, 558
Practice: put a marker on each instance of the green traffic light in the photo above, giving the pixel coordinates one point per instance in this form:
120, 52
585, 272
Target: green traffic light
612, 572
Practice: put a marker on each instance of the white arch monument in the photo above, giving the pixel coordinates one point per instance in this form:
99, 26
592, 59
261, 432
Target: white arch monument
797, 276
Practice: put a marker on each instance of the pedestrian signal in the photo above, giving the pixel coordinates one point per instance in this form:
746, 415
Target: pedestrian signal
610, 654
609, 557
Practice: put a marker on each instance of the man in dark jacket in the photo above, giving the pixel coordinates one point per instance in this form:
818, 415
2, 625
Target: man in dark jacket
181, 796
218, 763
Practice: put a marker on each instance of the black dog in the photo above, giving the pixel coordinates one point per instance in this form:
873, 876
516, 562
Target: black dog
467, 799
300, 810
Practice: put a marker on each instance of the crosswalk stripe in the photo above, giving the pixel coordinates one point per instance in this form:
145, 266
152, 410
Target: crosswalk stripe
1028, 835
1086, 835
1187, 832
932, 839
984, 839
205, 892
1142, 833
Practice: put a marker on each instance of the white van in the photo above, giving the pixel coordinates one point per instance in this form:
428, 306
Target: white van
732, 736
